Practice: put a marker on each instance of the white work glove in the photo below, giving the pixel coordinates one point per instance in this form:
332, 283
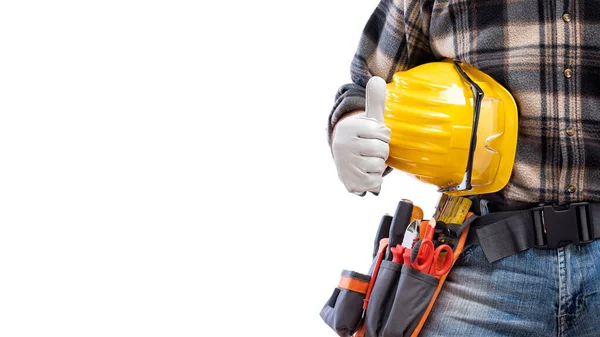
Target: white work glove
360, 143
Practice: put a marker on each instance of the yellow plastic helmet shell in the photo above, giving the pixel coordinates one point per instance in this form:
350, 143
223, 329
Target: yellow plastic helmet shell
430, 110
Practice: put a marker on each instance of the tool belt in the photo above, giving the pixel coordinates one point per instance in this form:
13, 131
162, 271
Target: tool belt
392, 300
502, 234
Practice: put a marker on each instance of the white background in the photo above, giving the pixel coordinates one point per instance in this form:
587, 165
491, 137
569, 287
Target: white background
164, 169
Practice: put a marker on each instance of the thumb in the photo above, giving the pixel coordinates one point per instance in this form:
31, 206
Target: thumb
376, 94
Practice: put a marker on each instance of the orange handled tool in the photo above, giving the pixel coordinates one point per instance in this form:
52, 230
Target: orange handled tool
431, 260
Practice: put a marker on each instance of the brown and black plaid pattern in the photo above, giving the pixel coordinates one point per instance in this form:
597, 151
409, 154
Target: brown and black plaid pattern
546, 53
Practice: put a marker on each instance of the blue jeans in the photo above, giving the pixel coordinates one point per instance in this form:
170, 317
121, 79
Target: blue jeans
554, 292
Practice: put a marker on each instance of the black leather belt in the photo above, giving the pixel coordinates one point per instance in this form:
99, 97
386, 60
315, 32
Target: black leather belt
503, 234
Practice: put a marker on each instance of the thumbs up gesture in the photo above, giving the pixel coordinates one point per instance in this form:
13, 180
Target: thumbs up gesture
360, 143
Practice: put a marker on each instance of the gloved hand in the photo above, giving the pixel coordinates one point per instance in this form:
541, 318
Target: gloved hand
360, 143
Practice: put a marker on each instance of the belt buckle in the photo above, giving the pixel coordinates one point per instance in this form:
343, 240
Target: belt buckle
557, 227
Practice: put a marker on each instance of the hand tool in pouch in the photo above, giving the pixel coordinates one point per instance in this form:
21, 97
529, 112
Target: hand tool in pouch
382, 232
429, 259
402, 252
400, 222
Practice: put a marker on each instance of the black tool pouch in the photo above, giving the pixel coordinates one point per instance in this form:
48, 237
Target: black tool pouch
413, 295
381, 299
344, 310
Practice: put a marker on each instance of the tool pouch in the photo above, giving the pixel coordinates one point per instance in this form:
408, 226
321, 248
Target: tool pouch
402, 299
380, 301
344, 310
415, 291
398, 299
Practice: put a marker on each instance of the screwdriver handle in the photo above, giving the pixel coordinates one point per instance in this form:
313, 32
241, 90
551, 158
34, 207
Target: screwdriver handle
382, 232
399, 224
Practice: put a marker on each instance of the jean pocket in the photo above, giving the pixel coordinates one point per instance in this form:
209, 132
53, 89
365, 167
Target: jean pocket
414, 293
344, 309
381, 298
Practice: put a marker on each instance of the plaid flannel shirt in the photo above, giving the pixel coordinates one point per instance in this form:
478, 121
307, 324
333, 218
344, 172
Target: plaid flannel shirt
546, 53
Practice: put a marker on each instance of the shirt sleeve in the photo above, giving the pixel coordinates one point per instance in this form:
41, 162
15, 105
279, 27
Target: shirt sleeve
395, 38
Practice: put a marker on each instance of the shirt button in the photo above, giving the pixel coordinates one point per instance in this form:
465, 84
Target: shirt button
568, 73
566, 17
570, 131
571, 189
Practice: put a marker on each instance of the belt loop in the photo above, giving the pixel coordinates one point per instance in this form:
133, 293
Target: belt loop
594, 225
539, 228
585, 222
585, 232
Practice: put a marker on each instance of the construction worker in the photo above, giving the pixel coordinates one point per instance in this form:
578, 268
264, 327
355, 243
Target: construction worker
524, 281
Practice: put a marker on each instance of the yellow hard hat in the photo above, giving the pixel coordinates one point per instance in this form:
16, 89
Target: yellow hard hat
452, 126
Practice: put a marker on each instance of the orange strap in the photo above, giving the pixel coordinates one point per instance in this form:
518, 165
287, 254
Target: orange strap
359, 286
457, 251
